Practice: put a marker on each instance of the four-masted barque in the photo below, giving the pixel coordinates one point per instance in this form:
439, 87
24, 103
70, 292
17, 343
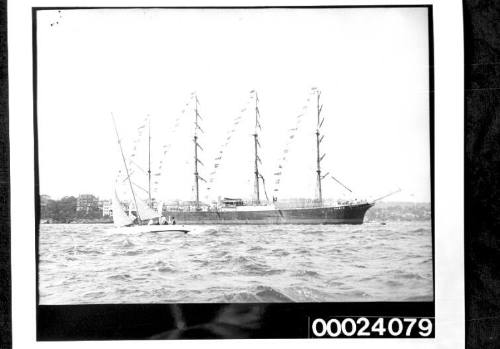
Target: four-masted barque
259, 211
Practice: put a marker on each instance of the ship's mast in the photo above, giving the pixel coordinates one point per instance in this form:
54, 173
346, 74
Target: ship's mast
256, 146
319, 157
196, 145
149, 162
126, 168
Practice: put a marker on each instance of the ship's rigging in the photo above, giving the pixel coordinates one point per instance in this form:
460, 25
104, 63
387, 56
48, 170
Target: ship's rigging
258, 178
255, 211
143, 211
257, 146
319, 156
238, 121
197, 128
125, 165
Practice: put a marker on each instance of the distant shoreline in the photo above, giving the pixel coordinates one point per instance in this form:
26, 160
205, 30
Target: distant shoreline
78, 221
366, 221
382, 212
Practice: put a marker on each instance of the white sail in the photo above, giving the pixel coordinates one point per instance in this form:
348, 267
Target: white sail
159, 208
145, 212
120, 217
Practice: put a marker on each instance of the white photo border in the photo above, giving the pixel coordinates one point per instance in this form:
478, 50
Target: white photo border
448, 174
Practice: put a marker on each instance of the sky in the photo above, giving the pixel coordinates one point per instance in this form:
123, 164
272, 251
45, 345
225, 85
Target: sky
371, 66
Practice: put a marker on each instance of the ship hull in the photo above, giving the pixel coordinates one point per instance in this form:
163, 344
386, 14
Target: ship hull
352, 214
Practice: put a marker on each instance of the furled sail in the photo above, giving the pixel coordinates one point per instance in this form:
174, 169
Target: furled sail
145, 212
120, 217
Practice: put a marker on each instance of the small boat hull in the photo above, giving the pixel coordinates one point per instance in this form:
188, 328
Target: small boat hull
138, 229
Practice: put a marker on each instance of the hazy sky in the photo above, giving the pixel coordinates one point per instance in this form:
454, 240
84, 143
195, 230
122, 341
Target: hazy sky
370, 64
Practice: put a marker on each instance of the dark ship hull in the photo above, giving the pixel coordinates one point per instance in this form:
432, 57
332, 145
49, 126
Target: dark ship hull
349, 214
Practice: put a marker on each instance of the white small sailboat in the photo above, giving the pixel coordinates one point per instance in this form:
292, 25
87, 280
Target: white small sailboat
144, 219
120, 217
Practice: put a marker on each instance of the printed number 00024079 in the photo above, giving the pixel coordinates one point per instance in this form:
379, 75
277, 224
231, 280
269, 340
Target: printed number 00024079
373, 327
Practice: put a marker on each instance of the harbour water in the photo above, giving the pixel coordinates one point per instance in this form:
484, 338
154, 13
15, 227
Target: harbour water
97, 263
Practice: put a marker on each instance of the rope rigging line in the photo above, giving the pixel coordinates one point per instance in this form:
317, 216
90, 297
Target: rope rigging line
339, 182
292, 133
166, 147
218, 159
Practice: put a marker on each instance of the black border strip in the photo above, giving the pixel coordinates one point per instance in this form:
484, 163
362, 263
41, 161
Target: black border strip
41, 8
197, 321
5, 232
481, 169
206, 320
35, 142
431, 135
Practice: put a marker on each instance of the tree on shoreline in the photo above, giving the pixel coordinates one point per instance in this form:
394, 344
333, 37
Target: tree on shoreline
64, 211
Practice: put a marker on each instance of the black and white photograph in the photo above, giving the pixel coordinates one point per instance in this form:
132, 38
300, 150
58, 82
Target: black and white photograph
231, 172
275, 155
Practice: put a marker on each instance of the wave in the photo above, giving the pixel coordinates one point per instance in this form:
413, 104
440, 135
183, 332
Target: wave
153, 250
211, 232
242, 259
308, 294
46, 261
269, 294
358, 231
238, 297
420, 230
393, 283
412, 256
82, 250
256, 249
205, 262
164, 267
93, 295
256, 269
419, 298
335, 250
335, 283
121, 277
274, 272
167, 270
314, 232
310, 273
220, 254
279, 252
359, 266
275, 230
426, 261
303, 251
408, 276
124, 243
132, 253
355, 294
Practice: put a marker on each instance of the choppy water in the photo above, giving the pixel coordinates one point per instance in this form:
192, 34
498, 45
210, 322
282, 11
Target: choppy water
292, 263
